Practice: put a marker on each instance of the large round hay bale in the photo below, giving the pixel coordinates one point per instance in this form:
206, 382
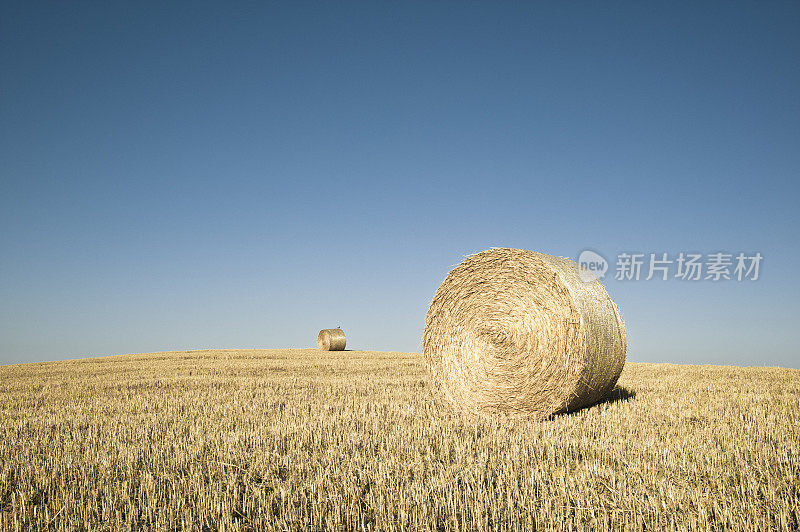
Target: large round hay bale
519, 332
331, 340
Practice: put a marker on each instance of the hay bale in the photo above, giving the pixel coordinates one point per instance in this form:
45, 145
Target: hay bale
519, 332
331, 340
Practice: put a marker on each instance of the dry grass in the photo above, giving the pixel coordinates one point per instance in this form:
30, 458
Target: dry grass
297, 438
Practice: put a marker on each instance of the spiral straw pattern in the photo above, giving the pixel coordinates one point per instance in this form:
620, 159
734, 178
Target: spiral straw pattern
519, 332
331, 340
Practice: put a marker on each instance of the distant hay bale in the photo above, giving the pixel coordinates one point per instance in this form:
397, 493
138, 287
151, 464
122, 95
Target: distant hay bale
518, 332
331, 340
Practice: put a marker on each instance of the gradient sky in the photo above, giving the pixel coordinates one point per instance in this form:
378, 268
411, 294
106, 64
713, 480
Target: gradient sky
185, 176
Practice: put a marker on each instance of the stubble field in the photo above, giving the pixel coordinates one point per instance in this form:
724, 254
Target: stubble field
287, 439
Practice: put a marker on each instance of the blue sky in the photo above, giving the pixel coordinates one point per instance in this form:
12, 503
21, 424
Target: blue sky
198, 175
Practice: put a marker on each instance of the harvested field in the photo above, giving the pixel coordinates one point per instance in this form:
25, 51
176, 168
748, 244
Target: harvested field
298, 438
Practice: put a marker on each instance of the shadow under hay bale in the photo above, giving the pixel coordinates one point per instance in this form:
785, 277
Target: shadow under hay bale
617, 395
518, 332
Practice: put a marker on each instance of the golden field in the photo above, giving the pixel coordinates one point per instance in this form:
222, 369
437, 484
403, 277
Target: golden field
355, 440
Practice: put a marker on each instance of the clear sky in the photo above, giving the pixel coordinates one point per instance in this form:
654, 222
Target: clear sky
183, 176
